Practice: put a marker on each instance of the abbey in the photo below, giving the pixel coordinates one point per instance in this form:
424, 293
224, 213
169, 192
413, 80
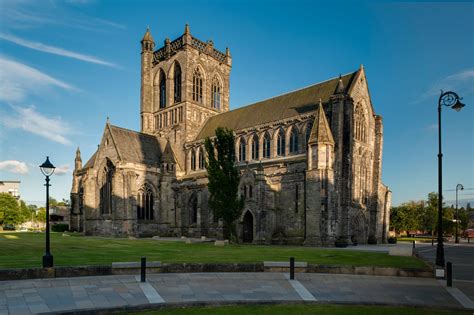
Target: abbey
310, 160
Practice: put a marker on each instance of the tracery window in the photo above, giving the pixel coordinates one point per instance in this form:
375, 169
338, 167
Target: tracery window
197, 86
106, 189
145, 203
193, 160
360, 130
216, 93
202, 160
162, 89
177, 82
281, 143
242, 149
255, 147
294, 140
266, 146
193, 208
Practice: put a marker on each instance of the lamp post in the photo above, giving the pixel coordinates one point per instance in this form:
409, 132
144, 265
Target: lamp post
452, 100
458, 187
47, 169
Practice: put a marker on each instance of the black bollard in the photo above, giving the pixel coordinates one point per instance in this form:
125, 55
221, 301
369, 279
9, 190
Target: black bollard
292, 268
143, 270
449, 274
413, 244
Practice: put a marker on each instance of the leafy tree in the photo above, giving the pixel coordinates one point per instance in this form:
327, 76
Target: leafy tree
25, 212
224, 180
9, 209
41, 214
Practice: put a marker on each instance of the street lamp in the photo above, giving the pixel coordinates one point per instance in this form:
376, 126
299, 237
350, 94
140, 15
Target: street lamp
47, 168
452, 100
458, 187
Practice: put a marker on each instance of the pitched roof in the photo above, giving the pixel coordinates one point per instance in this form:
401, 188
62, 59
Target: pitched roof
91, 161
277, 108
136, 147
321, 133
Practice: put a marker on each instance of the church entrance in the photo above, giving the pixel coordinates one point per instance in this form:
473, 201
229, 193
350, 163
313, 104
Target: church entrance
247, 235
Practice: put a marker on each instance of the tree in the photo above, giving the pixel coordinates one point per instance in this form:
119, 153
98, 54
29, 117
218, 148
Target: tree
41, 214
9, 210
224, 180
25, 212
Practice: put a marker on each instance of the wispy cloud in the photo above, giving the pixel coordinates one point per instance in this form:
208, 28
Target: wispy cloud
54, 50
28, 119
14, 166
461, 81
17, 80
62, 170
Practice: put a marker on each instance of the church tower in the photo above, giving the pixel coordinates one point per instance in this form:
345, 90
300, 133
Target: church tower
183, 83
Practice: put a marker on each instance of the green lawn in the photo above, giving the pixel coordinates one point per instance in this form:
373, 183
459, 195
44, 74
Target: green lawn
26, 249
300, 310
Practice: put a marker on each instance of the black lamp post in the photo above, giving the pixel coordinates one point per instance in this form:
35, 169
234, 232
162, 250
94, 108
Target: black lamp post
47, 168
452, 100
458, 187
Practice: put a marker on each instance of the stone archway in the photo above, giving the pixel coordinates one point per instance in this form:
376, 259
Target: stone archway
247, 225
359, 229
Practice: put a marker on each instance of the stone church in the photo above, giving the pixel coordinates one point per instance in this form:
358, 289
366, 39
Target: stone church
310, 160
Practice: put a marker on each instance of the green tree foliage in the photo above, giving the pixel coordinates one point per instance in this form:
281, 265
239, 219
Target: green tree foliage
224, 180
9, 210
41, 215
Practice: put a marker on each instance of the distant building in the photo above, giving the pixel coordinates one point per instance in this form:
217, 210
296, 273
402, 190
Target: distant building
11, 187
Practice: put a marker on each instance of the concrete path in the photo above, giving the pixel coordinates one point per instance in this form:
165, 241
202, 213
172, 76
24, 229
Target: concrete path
87, 293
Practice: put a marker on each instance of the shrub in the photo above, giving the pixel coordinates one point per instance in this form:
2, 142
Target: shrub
341, 241
372, 240
60, 227
392, 240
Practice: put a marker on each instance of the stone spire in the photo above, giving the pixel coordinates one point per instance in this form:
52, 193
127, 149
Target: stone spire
340, 89
186, 29
148, 44
227, 51
321, 133
147, 36
78, 160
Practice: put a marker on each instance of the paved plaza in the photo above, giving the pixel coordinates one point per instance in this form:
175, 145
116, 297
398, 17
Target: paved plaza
107, 292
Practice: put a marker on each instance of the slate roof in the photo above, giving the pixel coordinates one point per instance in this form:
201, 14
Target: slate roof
277, 108
321, 133
91, 161
136, 147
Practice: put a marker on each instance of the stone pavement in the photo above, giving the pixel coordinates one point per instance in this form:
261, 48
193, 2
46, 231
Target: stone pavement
106, 292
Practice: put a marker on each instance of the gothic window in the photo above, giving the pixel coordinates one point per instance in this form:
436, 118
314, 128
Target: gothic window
106, 189
242, 149
216, 91
294, 140
145, 203
309, 126
281, 143
193, 208
202, 161
255, 147
177, 83
250, 191
81, 200
162, 89
360, 131
197, 86
193, 160
266, 146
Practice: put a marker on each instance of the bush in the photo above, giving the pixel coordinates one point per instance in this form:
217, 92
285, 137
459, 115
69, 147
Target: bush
341, 242
372, 240
392, 240
60, 227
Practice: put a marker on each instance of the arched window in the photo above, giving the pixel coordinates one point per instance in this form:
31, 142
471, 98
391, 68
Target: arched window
242, 149
162, 89
197, 86
281, 143
177, 82
255, 147
193, 160
216, 94
193, 208
106, 189
266, 146
309, 126
360, 132
294, 140
145, 203
202, 159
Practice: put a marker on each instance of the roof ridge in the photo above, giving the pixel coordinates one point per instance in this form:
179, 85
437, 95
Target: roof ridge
130, 130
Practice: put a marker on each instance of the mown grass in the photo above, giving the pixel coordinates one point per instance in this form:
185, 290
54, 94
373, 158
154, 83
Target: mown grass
299, 310
20, 250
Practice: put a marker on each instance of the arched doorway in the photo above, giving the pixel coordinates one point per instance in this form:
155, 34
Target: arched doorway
359, 229
247, 235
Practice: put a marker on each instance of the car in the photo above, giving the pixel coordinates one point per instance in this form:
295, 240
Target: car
9, 227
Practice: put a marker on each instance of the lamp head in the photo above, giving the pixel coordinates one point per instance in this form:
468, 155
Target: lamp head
47, 168
458, 105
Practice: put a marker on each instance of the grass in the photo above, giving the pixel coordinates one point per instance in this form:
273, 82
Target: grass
20, 250
417, 239
300, 309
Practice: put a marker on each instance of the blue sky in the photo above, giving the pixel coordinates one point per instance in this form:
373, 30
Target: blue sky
67, 65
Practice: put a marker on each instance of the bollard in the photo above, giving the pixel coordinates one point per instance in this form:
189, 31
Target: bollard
413, 244
449, 274
143, 270
292, 268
